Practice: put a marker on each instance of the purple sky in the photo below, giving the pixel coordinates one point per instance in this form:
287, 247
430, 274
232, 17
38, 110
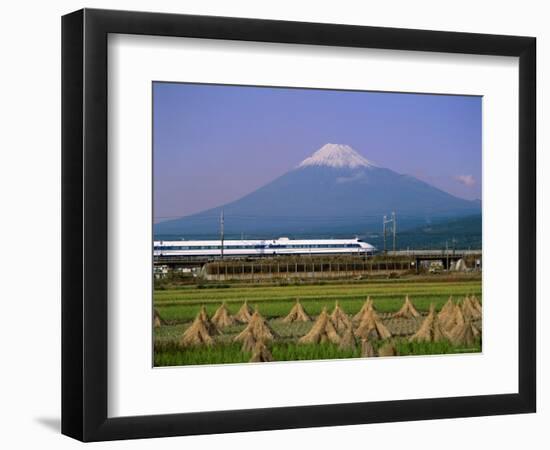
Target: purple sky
214, 143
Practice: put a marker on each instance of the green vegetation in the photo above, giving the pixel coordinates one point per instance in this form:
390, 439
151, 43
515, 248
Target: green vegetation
178, 308
182, 305
172, 354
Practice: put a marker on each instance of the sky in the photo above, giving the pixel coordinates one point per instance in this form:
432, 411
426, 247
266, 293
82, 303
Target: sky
213, 144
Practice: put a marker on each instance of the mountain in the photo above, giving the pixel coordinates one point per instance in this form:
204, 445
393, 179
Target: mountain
336, 191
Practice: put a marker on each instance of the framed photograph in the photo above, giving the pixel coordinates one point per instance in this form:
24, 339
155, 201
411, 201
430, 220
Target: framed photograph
273, 224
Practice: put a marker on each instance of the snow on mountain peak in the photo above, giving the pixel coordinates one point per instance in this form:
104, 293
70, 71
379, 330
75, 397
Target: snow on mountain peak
337, 156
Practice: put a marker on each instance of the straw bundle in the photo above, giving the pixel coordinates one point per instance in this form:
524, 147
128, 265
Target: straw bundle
256, 330
322, 331
455, 320
197, 333
469, 310
212, 329
222, 318
387, 350
348, 341
447, 312
407, 311
340, 319
261, 353
249, 343
297, 314
476, 304
464, 334
367, 350
431, 329
244, 314
371, 327
367, 306
157, 319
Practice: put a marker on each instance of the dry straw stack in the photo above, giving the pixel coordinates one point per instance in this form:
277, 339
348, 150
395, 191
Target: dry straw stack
461, 315
222, 318
212, 329
244, 314
407, 311
198, 333
464, 334
462, 329
340, 319
256, 331
387, 349
322, 331
447, 313
477, 305
455, 321
367, 350
158, 321
297, 314
367, 306
371, 327
470, 310
348, 341
431, 329
261, 353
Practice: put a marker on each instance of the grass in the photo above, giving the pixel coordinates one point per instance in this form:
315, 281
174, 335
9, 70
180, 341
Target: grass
406, 348
171, 354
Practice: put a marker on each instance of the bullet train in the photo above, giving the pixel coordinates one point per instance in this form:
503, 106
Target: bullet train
281, 246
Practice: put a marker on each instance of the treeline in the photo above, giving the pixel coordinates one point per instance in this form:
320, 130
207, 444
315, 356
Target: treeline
464, 233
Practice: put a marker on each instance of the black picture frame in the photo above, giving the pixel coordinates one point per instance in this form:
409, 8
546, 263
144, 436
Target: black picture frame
84, 224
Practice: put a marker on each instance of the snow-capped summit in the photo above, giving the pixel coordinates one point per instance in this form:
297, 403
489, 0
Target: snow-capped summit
338, 156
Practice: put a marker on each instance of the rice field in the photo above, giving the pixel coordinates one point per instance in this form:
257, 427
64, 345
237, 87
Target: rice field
179, 307
174, 355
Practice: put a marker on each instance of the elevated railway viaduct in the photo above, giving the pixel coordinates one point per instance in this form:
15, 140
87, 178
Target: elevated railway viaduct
390, 261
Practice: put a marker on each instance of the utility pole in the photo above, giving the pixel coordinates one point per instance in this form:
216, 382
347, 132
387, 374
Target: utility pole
221, 232
384, 221
447, 252
394, 227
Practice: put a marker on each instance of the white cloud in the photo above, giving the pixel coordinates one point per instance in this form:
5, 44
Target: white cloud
466, 180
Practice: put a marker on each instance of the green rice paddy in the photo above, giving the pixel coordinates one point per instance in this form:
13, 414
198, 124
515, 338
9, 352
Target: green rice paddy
178, 308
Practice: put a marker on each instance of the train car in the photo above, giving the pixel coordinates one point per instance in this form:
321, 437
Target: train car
272, 247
